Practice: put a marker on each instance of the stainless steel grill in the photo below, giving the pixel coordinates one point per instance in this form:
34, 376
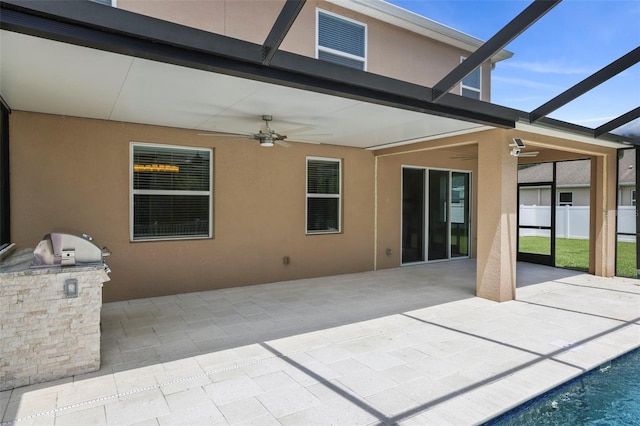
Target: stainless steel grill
66, 249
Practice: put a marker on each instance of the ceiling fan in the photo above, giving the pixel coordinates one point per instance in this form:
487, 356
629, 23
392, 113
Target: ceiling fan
267, 137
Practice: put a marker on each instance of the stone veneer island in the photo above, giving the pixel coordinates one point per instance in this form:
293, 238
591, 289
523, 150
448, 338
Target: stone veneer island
45, 334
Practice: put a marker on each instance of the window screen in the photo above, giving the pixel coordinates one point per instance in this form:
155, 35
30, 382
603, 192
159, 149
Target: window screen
323, 195
341, 41
171, 192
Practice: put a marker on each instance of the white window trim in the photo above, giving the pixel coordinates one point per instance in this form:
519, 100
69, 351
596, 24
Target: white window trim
363, 59
473, 89
133, 192
308, 195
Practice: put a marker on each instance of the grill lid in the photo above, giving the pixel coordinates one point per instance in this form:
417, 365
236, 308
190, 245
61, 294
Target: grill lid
65, 249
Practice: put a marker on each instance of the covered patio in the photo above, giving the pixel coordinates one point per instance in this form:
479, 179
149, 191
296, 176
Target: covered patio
409, 345
149, 81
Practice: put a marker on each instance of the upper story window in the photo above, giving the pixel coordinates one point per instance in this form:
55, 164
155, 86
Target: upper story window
171, 192
471, 85
341, 40
324, 195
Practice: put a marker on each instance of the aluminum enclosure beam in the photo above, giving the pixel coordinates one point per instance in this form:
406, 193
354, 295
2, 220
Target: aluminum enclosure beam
587, 84
513, 29
617, 122
280, 28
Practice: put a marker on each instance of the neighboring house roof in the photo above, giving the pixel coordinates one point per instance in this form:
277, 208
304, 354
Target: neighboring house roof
576, 172
397, 16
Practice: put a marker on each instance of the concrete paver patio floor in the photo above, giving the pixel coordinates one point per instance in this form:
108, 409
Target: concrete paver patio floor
404, 346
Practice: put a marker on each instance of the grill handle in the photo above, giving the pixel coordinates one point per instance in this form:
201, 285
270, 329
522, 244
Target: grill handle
105, 251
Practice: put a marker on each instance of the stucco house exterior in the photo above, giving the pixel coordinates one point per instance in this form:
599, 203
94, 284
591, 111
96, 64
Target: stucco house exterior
141, 123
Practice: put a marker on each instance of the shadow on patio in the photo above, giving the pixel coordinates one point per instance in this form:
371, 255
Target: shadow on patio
142, 332
402, 346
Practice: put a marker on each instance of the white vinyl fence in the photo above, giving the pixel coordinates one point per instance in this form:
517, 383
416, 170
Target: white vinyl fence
573, 221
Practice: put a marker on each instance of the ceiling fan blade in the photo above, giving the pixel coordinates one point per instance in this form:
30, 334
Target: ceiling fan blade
226, 134
282, 143
297, 130
317, 135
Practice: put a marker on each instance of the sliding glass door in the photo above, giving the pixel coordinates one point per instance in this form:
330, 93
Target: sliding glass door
438, 234
435, 214
413, 209
460, 214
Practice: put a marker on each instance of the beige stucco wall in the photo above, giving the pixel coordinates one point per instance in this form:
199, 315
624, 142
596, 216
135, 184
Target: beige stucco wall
246, 20
74, 173
391, 51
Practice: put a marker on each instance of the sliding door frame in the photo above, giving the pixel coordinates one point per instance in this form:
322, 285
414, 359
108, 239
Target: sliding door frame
425, 224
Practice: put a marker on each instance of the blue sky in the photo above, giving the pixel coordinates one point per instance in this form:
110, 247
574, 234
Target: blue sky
571, 42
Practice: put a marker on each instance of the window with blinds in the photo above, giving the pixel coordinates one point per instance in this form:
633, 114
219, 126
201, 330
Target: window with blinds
324, 195
171, 192
341, 41
471, 84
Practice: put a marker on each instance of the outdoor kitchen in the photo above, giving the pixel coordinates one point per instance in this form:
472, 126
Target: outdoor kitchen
50, 299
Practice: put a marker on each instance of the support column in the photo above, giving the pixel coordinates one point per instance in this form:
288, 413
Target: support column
497, 220
602, 232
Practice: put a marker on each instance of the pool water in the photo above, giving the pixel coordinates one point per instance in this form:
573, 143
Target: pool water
608, 395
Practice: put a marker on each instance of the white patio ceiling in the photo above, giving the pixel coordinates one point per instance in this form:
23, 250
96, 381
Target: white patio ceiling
41, 75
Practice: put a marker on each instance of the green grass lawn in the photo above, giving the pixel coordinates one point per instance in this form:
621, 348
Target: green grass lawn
626, 266
574, 254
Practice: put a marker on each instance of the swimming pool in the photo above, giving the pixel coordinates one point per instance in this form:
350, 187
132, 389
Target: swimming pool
608, 395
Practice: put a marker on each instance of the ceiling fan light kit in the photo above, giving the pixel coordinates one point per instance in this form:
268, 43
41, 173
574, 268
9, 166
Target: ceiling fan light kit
266, 141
